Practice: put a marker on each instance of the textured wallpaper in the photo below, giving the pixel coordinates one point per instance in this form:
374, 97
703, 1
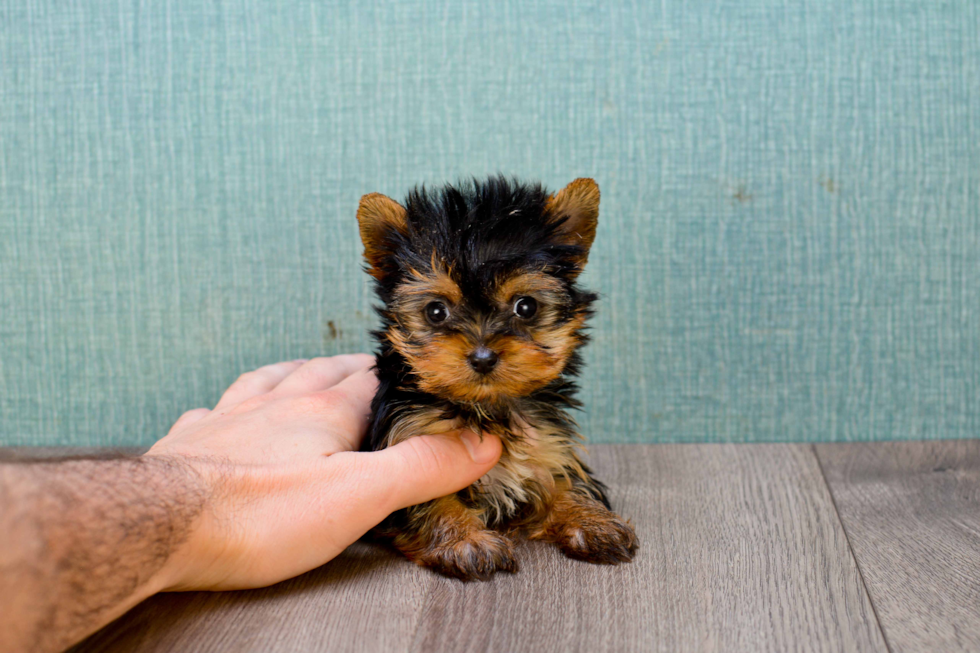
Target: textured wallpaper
789, 241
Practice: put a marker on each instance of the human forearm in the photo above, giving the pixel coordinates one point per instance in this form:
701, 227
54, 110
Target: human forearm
267, 485
83, 541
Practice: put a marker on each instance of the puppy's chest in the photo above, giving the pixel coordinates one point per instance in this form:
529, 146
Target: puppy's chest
533, 454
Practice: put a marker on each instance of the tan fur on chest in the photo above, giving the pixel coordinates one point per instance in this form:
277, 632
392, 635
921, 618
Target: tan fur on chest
533, 458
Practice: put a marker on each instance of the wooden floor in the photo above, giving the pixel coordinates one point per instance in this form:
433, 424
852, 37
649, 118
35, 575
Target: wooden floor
785, 547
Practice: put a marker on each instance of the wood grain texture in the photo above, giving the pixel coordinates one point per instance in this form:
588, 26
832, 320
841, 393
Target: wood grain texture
740, 550
911, 511
366, 599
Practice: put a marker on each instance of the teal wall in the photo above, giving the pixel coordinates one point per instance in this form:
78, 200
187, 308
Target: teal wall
789, 246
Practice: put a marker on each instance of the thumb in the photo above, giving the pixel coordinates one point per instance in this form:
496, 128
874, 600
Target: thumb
427, 467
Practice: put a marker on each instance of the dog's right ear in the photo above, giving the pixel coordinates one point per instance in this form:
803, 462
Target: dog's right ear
575, 209
383, 225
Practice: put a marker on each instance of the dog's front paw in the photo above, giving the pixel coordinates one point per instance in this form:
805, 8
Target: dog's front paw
452, 539
601, 538
584, 529
474, 556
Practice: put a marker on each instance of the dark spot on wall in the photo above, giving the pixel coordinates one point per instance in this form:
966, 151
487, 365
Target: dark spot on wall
330, 331
741, 195
828, 184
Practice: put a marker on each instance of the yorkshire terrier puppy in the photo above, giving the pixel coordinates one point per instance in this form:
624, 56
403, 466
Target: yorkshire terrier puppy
481, 326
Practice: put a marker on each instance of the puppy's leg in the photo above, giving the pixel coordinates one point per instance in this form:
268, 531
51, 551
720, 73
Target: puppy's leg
452, 539
581, 524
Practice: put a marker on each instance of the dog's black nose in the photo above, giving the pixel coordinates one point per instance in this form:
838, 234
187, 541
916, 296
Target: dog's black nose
483, 360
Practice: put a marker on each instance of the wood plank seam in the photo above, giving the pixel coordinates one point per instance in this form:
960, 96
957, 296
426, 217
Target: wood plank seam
850, 549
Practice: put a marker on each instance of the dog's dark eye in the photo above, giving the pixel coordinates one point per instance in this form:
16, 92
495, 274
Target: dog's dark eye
525, 307
436, 312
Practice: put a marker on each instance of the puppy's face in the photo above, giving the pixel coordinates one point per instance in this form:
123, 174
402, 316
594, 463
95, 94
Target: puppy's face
479, 283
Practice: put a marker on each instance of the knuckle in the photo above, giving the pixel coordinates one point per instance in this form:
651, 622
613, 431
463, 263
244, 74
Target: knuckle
251, 404
355, 361
271, 371
318, 402
259, 376
314, 369
248, 378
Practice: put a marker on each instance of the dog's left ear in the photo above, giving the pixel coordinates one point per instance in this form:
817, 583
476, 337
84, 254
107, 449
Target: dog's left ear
383, 223
576, 209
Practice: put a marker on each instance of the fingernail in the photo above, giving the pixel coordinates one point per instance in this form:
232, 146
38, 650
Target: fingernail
481, 450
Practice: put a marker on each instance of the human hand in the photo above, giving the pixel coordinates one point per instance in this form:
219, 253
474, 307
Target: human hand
285, 487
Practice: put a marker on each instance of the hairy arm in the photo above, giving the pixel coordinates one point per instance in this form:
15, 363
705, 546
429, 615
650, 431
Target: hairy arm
267, 485
85, 540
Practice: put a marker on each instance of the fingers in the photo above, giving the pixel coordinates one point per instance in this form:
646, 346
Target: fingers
257, 382
322, 373
189, 418
348, 406
359, 387
427, 467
